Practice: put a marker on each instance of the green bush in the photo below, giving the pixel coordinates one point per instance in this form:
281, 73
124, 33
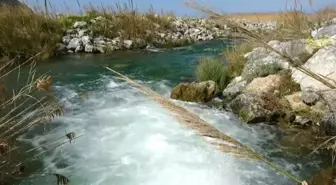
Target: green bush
213, 69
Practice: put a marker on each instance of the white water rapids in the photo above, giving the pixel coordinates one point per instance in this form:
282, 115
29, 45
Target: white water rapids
130, 140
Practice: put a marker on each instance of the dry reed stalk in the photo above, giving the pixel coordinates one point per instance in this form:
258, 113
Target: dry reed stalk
203, 128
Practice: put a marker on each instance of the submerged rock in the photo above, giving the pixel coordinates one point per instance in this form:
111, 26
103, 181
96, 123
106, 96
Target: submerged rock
194, 92
250, 108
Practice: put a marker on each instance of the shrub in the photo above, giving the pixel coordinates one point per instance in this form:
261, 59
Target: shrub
213, 69
235, 58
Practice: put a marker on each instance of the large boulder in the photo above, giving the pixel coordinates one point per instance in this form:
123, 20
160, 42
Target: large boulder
194, 92
323, 62
326, 31
250, 108
264, 85
299, 49
260, 63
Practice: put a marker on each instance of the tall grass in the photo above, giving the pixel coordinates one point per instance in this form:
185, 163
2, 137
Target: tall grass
235, 58
124, 20
24, 103
213, 69
24, 33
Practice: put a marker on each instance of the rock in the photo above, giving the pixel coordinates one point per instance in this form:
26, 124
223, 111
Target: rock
326, 31
236, 86
79, 48
328, 124
324, 177
329, 98
140, 44
261, 63
66, 39
86, 40
194, 92
250, 108
309, 97
89, 48
70, 51
81, 33
128, 44
80, 24
295, 48
323, 62
301, 122
296, 103
101, 48
264, 85
71, 31
75, 43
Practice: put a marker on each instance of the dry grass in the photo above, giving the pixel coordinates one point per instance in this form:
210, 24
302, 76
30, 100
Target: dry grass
124, 20
22, 108
24, 33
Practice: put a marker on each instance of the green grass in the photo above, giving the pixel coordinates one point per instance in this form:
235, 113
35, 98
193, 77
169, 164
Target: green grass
213, 69
235, 58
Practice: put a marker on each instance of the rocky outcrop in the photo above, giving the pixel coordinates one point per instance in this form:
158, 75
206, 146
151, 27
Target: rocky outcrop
194, 92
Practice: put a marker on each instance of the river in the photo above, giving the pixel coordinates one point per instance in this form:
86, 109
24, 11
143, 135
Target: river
130, 140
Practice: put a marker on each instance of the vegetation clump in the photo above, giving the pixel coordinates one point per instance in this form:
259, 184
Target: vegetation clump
213, 69
25, 33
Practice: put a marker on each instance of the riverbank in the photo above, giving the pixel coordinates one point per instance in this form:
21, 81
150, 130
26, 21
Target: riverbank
287, 84
102, 31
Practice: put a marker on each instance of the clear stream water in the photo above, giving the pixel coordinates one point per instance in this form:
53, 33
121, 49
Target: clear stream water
130, 140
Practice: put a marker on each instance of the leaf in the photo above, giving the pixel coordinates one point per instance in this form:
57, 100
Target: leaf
61, 180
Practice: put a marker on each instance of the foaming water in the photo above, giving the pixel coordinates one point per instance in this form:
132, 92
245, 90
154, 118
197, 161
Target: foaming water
130, 140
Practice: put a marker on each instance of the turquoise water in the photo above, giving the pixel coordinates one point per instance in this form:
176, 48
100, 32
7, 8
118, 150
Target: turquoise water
130, 140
